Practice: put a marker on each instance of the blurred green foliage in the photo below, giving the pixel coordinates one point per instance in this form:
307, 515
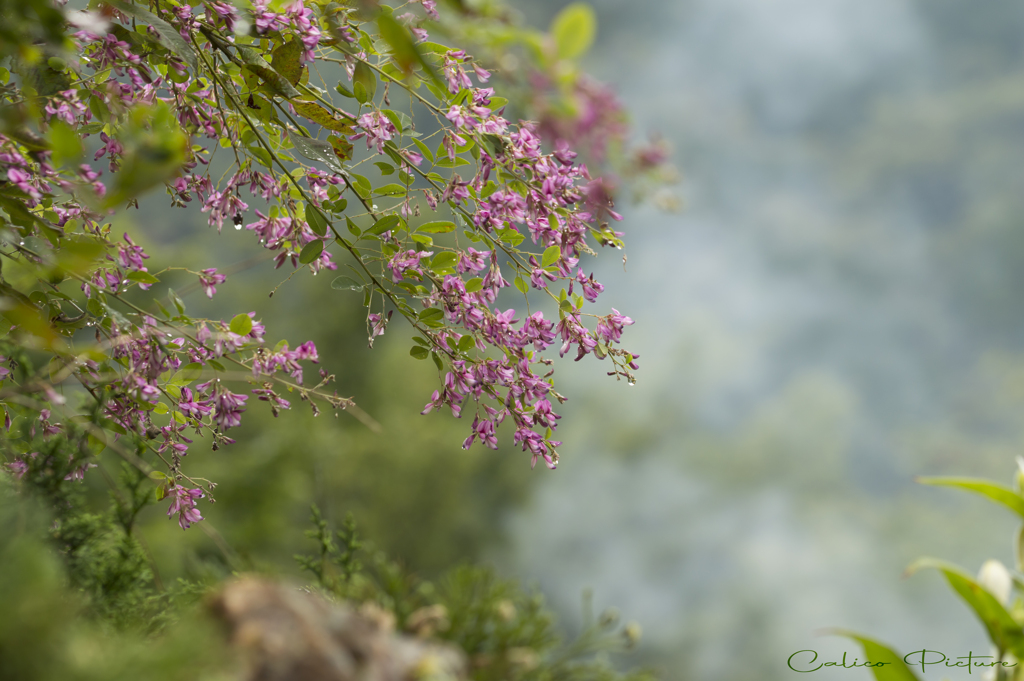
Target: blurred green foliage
506, 632
47, 631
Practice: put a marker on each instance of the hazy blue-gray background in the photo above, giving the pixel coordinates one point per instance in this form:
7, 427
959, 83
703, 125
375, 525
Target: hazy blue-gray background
837, 309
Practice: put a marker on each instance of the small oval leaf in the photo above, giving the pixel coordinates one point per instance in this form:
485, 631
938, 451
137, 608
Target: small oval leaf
317, 222
241, 324
574, 30
364, 77
142, 277
431, 313
385, 224
311, 251
437, 227
551, 256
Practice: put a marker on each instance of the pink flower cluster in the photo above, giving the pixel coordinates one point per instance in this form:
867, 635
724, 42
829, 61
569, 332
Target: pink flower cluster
517, 190
183, 502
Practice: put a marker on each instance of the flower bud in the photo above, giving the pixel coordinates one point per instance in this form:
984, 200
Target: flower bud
996, 579
632, 633
609, 617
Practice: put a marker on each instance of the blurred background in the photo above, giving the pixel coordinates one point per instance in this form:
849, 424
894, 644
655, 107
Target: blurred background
835, 310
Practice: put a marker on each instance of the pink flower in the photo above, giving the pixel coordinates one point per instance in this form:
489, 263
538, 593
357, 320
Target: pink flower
407, 261
209, 279
183, 502
195, 407
610, 326
22, 180
78, 473
266, 21
304, 22
430, 7
230, 407
377, 128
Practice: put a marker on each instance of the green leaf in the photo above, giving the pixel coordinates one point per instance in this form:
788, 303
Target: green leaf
390, 190
385, 224
1005, 633
418, 352
385, 168
77, 254
893, 667
444, 260
467, 343
317, 222
424, 149
521, 284
574, 30
361, 186
321, 116
488, 189
311, 251
511, 236
285, 59
364, 77
274, 80
342, 148
168, 35
261, 155
435, 48
448, 163
394, 117
551, 256
95, 308
438, 227
316, 150
996, 493
474, 285
431, 314
344, 283
191, 372
241, 324
360, 92
178, 303
492, 144
142, 277
65, 143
